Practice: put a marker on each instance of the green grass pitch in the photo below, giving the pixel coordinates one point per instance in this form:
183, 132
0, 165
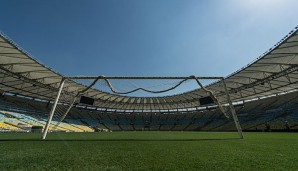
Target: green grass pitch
149, 151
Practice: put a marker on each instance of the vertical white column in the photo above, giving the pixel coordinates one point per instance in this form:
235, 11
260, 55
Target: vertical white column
45, 132
233, 111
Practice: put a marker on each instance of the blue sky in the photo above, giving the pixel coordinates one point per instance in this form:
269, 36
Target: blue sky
147, 37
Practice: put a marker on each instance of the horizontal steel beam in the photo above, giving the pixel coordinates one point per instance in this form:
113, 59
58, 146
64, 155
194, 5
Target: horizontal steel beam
138, 77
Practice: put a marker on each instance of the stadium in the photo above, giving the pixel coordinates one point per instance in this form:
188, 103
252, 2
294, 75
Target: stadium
244, 121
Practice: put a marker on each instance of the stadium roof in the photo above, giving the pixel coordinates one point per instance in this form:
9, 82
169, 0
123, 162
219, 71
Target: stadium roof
273, 72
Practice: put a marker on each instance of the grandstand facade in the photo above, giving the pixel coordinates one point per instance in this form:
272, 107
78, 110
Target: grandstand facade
264, 94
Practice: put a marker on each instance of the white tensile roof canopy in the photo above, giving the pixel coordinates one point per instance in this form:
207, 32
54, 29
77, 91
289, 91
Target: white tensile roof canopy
272, 73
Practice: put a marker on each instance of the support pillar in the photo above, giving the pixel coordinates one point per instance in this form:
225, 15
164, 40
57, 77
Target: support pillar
233, 111
45, 132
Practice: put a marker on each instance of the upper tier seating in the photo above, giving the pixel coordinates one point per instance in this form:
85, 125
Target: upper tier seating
18, 113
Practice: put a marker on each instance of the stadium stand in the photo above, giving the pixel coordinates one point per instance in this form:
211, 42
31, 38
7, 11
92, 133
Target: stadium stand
18, 113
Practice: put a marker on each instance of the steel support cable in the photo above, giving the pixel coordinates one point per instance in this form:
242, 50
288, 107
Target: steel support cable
87, 88
143, 89
211, 94
75, 98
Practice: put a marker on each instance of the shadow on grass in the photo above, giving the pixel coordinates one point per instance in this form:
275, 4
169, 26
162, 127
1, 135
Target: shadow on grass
115, 140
